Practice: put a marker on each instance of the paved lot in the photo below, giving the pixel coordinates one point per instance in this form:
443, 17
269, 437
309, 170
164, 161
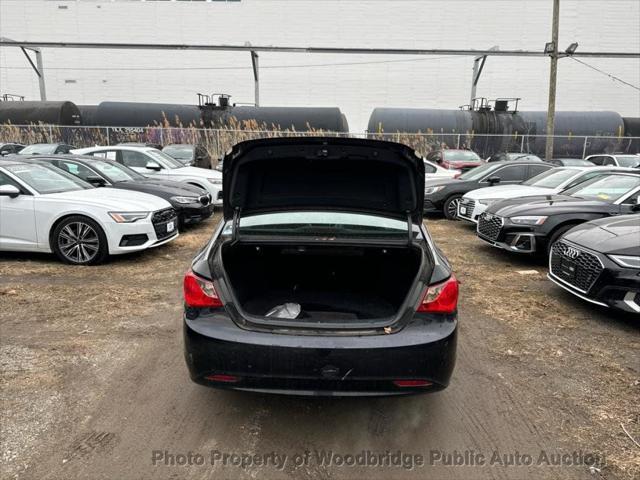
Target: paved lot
93, 383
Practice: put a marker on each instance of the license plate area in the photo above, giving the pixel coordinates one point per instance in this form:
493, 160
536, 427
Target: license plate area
568, 269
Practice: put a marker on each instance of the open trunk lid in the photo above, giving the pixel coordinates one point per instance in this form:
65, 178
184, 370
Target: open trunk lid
323, 173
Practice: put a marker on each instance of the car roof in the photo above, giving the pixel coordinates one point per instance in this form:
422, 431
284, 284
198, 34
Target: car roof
5, 162
524, 162
119, 147
64, 156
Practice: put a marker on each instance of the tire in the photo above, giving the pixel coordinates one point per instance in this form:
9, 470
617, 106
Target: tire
91, 249
555, 236
450, 208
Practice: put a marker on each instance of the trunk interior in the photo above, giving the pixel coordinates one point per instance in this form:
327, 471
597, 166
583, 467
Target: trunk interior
330, 283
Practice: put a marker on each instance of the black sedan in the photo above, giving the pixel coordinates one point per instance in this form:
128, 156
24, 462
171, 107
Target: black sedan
443, 195
321, 278
533, 224
599, 261
192, 204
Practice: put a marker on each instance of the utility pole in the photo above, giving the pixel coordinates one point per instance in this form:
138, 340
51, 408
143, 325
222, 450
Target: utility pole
553, 74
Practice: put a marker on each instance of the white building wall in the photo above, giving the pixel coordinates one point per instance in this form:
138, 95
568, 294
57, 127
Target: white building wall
91, 76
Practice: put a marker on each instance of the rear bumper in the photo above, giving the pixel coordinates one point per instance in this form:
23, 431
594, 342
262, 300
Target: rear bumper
321, 365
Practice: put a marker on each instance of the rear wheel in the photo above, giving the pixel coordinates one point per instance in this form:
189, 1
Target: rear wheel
451, 207
78, 240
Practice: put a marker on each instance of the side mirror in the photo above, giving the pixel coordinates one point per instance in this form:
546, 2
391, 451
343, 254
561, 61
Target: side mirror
636, 206
10, 191
153, 166
96, 181
493, 180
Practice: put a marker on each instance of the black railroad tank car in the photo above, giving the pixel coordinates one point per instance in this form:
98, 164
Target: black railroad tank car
33, 112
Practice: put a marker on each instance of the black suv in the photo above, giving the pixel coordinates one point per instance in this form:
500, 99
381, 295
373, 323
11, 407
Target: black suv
321, 277
443, 195
599, 261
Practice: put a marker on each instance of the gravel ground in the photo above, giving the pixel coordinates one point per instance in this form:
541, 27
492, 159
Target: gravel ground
93, 380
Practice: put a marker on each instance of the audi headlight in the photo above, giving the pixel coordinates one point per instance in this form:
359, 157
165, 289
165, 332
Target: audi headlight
185, 199
431, 190
626, 260
489, 201
215, 181
529, 220
128, 217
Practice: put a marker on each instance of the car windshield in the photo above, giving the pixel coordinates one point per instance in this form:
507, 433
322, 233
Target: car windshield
39, 148
45, 179
164, 159
479, 172
115, 172
628, 160
461, 156
551, 178
181, 152
325, 225
607, 189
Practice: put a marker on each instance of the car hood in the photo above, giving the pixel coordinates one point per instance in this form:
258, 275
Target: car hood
323, 173
508, 191
548, 205
112, 199
194, 172
617, 235
164, 188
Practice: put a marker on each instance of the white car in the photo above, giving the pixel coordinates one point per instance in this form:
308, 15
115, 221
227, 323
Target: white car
152, 162
550, 182
433, 170
43, 209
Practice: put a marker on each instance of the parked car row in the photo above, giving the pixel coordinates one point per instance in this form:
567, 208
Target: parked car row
85, 207
583, 220
186, 153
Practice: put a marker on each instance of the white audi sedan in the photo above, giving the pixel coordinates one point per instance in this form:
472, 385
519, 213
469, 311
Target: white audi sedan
551, 182
152, 162
43, 209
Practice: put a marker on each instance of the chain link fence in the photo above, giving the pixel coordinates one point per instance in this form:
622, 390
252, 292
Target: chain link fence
219, 141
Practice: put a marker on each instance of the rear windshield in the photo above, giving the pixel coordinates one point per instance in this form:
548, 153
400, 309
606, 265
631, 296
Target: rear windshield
322, 225
461, 156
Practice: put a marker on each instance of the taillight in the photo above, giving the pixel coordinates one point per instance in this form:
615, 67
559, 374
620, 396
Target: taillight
199, 292
441, 298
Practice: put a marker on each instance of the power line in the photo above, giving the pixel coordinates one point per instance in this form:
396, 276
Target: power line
309, 65
610, 75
